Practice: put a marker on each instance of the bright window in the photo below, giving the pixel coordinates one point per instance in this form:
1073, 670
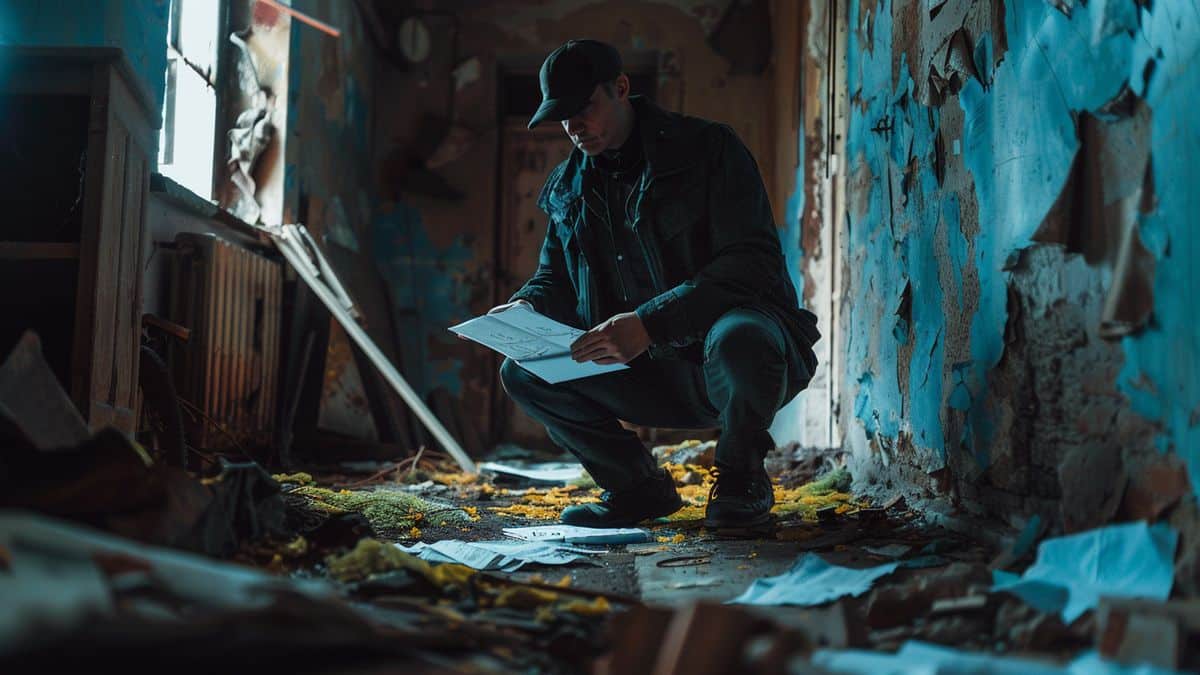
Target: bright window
188, 136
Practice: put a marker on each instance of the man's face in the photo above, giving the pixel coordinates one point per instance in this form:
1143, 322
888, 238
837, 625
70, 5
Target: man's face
594, 128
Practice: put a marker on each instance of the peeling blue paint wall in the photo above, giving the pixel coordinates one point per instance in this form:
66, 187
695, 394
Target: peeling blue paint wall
1161, 375
137, 26
893, 250
935, 255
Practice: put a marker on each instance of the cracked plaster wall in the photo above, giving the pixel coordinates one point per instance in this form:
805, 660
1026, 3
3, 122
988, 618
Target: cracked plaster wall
1018, 254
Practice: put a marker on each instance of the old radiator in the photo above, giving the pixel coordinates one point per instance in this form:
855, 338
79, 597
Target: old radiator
228, 372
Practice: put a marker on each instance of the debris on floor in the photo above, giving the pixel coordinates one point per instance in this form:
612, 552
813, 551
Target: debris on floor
381, 606
414, 561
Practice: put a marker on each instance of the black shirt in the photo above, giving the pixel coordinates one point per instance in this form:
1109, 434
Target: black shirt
625, 277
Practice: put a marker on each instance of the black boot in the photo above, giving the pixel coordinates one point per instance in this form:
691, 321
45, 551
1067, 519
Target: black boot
739, 499
654, 497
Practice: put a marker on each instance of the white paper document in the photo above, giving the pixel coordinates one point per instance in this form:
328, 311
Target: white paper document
572, 534
537, 343
556, 473
505, 556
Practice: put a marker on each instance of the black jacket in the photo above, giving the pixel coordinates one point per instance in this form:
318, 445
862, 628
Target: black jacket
705, 228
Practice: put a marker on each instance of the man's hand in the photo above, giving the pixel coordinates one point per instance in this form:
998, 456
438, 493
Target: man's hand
509, 305
500, 308
621, 339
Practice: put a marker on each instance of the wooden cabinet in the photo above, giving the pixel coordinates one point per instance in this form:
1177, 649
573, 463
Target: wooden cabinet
74, 179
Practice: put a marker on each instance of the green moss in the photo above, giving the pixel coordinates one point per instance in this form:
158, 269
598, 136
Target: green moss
390, 512
837, 480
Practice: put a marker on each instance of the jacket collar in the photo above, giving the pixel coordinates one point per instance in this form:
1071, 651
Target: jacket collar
666, 141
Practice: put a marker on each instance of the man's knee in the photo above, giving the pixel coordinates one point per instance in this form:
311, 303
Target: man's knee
520, 384
743, 336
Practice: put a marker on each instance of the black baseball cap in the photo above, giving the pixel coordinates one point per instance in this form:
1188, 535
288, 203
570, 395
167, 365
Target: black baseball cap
570, 75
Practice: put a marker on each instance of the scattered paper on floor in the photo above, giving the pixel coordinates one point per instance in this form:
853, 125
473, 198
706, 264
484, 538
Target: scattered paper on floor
557, 473
1132, 560
812, 581
580, 535
505, 556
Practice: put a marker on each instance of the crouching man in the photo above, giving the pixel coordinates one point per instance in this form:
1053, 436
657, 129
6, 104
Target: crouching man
662, 243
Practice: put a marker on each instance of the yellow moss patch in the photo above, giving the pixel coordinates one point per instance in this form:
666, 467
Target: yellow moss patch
799, 502
594, 607
528, 512
453, 479
677, 539
678, 471
806, 500
564, 582
300, 478
295, 548
695, 497
487, 490
450, 574
525, 597
371, 556
687, 513
547, 504
802, 502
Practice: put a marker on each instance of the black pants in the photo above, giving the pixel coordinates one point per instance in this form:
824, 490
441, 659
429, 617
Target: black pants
749, 372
